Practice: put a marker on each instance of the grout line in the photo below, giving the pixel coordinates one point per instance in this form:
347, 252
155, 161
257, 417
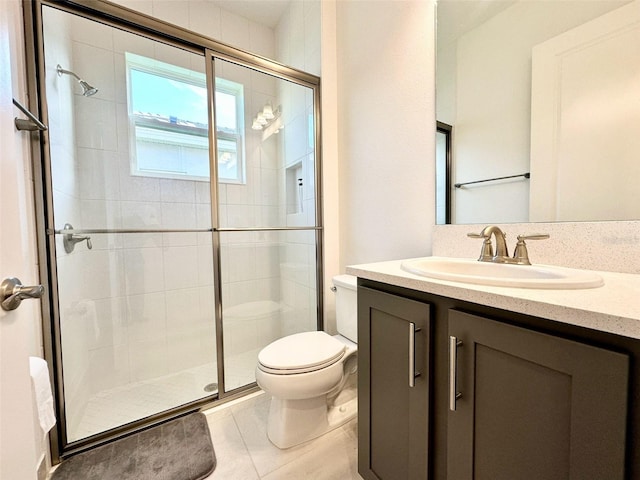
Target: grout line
246, 447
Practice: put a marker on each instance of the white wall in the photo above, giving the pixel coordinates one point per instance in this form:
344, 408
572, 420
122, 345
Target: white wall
298, 36
206, 18
385, 77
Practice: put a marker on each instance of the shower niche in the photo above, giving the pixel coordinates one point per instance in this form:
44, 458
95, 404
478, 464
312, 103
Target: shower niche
294, 189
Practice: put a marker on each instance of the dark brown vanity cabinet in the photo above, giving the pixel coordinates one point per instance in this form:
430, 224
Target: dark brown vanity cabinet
499, 396
393, 386
532, 406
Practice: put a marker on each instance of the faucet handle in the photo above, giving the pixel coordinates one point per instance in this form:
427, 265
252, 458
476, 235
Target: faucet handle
486, 253
520, 253
534, 236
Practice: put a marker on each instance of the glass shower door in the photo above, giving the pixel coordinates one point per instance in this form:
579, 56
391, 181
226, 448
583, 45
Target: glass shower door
167, 277
130, 188
267, 214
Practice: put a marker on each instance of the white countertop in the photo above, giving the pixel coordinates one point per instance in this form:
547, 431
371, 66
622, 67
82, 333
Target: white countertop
613, 308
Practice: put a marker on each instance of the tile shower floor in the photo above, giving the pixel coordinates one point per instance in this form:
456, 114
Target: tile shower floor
243, 451
127, 403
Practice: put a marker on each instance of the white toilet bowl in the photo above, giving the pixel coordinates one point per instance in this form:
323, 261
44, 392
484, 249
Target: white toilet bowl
306, 373
303, 373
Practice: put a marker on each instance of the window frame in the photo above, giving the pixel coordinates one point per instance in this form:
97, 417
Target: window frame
180, 74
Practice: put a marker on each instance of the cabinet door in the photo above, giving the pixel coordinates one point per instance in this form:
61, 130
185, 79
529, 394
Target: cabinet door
533, 406
393, 384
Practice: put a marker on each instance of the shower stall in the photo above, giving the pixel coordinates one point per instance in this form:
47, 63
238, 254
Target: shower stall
181, 230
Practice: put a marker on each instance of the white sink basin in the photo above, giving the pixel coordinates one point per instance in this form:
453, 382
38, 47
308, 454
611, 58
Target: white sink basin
501, 274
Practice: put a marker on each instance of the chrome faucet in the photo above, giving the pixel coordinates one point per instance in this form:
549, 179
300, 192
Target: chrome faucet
520, 254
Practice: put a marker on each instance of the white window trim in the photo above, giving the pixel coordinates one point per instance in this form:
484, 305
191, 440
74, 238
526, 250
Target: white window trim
156, 67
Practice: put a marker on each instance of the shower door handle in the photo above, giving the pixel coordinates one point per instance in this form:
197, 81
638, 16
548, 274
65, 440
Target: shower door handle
12, 292
32, 124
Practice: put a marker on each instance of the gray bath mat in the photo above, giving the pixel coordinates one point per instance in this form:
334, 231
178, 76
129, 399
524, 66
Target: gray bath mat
177, 450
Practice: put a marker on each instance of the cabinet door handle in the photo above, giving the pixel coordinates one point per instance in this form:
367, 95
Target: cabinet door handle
454, 395
412, 354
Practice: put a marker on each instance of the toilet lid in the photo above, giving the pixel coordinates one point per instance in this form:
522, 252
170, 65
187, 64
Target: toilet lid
301, 351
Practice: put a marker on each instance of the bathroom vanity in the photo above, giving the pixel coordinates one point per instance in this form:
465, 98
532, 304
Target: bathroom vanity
461, 381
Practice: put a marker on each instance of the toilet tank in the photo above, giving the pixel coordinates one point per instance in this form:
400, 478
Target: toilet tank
347, 306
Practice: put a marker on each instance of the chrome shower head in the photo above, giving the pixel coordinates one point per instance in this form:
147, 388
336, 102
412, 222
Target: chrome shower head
87, 90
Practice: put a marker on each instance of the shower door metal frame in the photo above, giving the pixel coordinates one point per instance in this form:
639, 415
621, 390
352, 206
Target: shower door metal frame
210, 49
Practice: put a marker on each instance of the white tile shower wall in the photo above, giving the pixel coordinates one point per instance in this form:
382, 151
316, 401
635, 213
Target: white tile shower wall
134, 299
607, 246
249, 272
298, 36
298, 45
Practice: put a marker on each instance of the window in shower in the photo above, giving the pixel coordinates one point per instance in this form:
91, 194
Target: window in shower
169, 122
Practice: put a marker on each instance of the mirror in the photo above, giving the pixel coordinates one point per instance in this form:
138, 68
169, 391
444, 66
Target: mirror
543, 102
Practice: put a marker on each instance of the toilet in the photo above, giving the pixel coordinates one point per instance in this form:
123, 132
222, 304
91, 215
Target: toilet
309, 375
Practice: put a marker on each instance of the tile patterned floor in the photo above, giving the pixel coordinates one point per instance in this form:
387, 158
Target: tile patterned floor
130, 402
243, 451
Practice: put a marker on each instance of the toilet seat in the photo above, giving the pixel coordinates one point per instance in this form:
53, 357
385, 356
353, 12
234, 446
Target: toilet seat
300, 353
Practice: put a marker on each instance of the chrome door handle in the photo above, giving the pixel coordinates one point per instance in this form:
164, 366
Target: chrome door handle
454, 395
30, 125
412, 354
12, 292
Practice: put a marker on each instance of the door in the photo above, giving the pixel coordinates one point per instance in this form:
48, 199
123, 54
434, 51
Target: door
267, 213
18, 328
128, 225
393, 386
585, 121
533, 406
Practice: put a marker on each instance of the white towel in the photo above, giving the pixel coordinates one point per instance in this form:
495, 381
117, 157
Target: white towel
42, 392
